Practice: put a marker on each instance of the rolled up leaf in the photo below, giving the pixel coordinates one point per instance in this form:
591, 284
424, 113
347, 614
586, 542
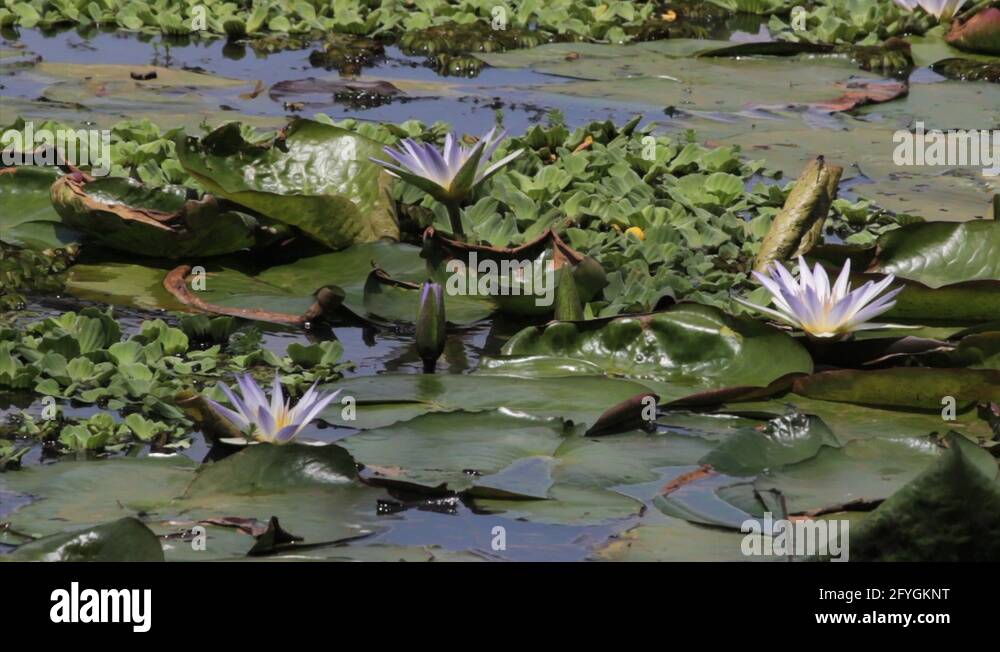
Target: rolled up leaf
567, 299
799, 224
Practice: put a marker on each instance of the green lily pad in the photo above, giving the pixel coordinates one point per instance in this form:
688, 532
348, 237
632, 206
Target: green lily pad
931, 48
316, 177
505, 460
449, 452
77, 494
785, 440
688, 344
699, 495
122, 284
673, 539
965, 303
290, 288
388, 398
919, 388
126, 539
941, 253
548, 57
864, 469
850, 421
261, 469
312, 489
27, 218
962, 489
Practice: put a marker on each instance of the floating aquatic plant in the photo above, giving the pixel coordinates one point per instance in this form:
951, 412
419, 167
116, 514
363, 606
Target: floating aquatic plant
276, 421
449, 176
810, 303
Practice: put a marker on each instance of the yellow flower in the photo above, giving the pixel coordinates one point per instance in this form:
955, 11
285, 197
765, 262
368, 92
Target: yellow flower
636, 231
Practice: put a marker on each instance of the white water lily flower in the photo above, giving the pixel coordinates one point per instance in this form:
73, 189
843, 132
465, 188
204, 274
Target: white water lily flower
810, 303
940, 9
448, 176
273, 421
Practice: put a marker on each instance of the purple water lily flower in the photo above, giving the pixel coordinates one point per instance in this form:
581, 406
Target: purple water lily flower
449, 175
811, 304
273, 421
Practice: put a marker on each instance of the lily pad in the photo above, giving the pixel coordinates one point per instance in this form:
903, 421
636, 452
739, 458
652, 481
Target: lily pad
126, 539
123, 284
784, 440
290, 289
27, 218
672, 539
388, 398
314, 176
919, 388
863, 469
941, 253
75, 494
688, 344
966, 303
261, 469
864, 146
849, 421
124, 215
312, 489
496, 456
967, 70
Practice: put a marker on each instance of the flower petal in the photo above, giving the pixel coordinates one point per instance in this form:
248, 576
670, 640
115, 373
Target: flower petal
236, 418
767, 311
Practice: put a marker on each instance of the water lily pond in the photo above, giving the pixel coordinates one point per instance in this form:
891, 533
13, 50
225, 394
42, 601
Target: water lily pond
602, 281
